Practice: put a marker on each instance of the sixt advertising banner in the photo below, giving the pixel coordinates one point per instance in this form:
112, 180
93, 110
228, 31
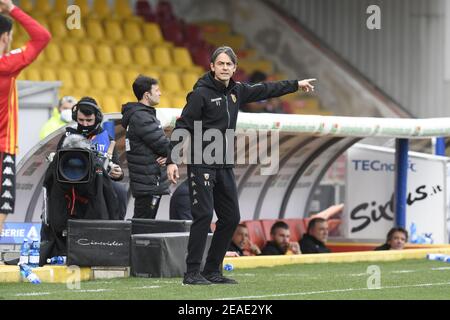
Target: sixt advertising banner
14, 233
370, 195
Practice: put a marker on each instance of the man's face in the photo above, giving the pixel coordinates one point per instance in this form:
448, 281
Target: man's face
240, 237
223, 68
85, 120
154, 95
397, 241
281, 237
320, 231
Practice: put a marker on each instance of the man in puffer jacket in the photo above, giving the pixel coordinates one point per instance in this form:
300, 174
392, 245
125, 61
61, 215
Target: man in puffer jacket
147, 148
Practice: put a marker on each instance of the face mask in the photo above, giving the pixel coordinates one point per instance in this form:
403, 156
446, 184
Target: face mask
66, 115
86, 130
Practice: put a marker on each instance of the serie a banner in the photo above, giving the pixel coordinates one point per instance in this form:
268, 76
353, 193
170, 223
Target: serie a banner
14, 233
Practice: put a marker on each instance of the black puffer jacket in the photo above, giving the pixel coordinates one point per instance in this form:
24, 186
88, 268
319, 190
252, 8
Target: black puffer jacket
217, 107
145, 142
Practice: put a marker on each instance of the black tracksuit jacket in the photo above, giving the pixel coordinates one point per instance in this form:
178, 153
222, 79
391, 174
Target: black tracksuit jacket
217, 106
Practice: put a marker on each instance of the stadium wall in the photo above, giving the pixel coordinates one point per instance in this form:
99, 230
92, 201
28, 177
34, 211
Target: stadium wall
405, 58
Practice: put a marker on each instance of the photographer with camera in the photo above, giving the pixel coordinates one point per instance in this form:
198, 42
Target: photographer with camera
89, 117
79, 182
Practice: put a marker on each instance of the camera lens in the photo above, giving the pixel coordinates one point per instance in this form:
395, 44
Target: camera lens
74, 166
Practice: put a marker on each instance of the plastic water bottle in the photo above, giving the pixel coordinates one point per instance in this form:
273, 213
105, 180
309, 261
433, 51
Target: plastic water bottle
24, 252
228, 267
59, 260
438, 257
33, 260
27, 272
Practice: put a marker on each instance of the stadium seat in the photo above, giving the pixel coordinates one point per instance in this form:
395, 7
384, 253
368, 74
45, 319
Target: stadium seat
95, 31
41, 6
123, 56
26, 5
188, 80
104, 55
48, 75
130, 77
182, 58
102, 9
109, 104
99, 80
152, 34
178, 101
84, 7
81, 79
53, 54
123, 10
60, 7
173, 32
266, 225
58, 29
165, 102
86, 54
144, 10
141, 56
162, 58
296, 227
164, 12
132, 31
117, 81
256, 233
70, 53
33, 74
171, 82
66, 77
152, 72
113, 31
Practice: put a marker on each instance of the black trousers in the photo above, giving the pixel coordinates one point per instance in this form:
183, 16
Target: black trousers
146, 207
211, 189
122, 195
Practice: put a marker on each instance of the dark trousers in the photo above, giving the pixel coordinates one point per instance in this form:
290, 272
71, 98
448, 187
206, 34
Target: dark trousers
211, 189
146, 207
122, 195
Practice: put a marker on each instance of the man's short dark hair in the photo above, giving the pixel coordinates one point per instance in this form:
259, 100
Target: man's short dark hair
6, 24
143, 84
227, 50
87, 109
278, 225
394, 230
312, 223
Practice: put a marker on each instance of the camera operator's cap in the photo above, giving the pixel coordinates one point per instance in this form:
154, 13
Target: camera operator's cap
65, 99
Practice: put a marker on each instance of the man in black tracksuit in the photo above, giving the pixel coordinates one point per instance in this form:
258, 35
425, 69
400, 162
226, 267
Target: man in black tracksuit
215, 101
147, 148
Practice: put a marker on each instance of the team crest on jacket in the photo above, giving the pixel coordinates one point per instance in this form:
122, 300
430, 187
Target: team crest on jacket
233, 97
206, 175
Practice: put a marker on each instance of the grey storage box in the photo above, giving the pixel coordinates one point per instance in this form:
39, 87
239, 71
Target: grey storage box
161, 255
144, 226
98, 243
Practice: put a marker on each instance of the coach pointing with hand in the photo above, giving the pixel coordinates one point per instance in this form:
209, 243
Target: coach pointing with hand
215, 101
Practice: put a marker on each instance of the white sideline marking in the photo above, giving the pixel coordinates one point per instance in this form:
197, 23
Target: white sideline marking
32, 294
404, 271
92, 290
440, 268
334, 291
